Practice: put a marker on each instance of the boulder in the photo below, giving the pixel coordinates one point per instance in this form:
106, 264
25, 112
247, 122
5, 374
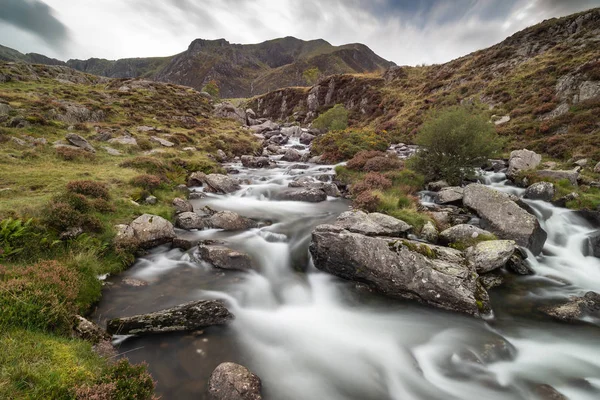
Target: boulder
575, 308
597, 168
185, 317
228, 110
89, 331
80, 142
517, 264
372, 224
463, 233
430, 232
184, 243
329, 188
161, 141
152, 200
230, 381
182, 205
225, 258
264, 127
450, 195
303, 194
125, 140
189, 220
229, 221
291, 155
522, 160
487, 256
306, 138
540, 191
292, 131
562, 202
503, 217
146, 231
593, 245
214, 183
437, 186
436, 276
254, 162
582, 162
571, 175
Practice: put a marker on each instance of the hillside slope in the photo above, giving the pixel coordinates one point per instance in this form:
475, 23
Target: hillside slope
546, 79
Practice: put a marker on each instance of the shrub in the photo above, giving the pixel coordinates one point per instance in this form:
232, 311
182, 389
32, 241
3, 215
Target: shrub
69, 154
149, 165
371, 181
129, 381
455, 142
334, 119
342, 145
360, 159
144, 143
366, 201
147, 182
12, 234
383, 164
42, 296
94, 189
62, 217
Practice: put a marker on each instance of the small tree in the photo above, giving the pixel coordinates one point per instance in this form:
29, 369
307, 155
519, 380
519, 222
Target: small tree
455, 142
212, 88
334, 119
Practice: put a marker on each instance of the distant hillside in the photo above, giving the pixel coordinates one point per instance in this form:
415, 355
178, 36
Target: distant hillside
542, 86
8, 54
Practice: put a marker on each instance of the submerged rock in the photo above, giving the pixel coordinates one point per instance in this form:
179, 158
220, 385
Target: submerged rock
575, 308
230, 381
186, 317
372, 224
254, 162
304, 194
503, 217
433, 275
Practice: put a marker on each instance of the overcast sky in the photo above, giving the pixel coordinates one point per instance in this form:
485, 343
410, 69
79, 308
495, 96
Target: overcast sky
404, 31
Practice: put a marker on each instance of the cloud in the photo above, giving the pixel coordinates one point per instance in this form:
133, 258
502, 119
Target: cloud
37, 18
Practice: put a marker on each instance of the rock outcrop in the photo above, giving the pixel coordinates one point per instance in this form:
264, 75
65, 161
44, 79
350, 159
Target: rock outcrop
487, 256
372, 224
230, 381
522, 160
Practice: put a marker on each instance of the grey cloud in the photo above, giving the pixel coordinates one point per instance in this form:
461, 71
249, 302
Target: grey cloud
36, 17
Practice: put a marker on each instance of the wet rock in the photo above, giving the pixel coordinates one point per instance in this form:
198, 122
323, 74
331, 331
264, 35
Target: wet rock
197, 195
229, 221
437, 186
504, 217
184, 243
540, 191
571, 175
487, 256
189, 220
433, 275
491, 280
593, 245
517, 264
231, 381
562, 202
450, 195
291, 155
225, 258
132, 282
575, 308
186, 317
145, 232
214, 183
89, 331
254, 162
303, 194
522, 160
463, 233
547, 392
329, 188
80, 142
182, 205
430, 232
372, 224
306, 138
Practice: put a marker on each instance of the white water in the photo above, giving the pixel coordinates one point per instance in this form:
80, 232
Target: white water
313, 336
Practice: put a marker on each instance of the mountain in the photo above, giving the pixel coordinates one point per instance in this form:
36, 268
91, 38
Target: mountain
541, 86
8, 54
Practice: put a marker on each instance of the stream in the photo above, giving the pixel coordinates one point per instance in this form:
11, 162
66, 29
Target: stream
310, 335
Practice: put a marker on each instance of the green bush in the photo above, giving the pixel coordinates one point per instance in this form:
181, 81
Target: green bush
455, 142
342, 145
334, 119
130, 381
12, 234
93, 189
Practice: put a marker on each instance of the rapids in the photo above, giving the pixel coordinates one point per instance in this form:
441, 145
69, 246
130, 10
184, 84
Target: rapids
309, 335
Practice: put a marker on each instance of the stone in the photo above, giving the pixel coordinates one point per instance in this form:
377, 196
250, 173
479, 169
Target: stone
372, 224
20, 142
264, 127
254, 162
197, 195
183, 318
491, 280
229, 221
517, 264
575, 308
152, 200
437, 186
489, 255
306, 138
80, 142
499, 120
292, 131
230, 381
593, 245
182, 205
291, 155
149, 231
184, 243
430, 233
5, 109
540, 191
463, 233
436, 276
189, 220
571, 175
125, 140
223, 257
228, 110
503, 217
597, 168
214, 183
161, 141
562, 202
302, 194
111, 151
522, 160
581, 163
450, 195
89, 331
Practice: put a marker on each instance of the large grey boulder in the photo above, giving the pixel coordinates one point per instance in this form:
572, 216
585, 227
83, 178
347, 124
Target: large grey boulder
225, 258
80, 142
230, 381
487, 256
145, 232
540, 191
182, 205
214, 183
464, 233
291, 155
503, 217
228, 110
306, 138
522, 160
593, 244
186, 317
329, 188
433, 275
189, 220
254, 162
373, 224
450, 195
302, 194
229, 221
264, 127
570, 175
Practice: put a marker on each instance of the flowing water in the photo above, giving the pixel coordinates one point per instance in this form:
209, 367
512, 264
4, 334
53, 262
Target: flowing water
309, 335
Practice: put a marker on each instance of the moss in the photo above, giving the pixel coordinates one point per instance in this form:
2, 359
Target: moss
462, 245
420, 248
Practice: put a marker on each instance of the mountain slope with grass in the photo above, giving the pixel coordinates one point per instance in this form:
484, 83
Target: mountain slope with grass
541, 86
